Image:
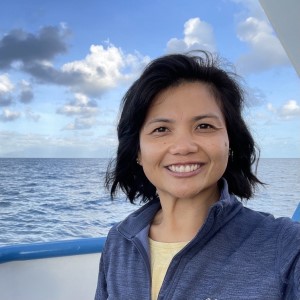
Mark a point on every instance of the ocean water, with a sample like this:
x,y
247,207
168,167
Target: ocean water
x,y
59,199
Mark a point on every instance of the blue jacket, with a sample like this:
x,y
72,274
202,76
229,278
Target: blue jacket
x,y
237,254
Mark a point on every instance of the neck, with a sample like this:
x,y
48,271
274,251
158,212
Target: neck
x,y
179,220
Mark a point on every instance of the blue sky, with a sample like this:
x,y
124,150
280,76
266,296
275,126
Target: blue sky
x,y
65,65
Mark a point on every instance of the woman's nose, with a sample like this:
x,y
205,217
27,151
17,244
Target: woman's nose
x,y
183,145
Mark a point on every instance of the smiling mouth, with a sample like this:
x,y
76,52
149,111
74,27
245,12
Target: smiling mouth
x,y
187,168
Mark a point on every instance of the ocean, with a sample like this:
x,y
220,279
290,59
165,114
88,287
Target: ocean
x,y
58,199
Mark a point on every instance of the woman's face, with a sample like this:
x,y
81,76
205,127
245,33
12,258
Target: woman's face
x,y
184,142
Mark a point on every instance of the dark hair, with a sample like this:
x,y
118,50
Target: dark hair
x,y
165,72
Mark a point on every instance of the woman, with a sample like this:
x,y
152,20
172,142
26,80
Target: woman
x,y
185,150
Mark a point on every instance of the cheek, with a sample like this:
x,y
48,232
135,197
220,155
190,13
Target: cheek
x,y
219,147
219,154
147,153
151,151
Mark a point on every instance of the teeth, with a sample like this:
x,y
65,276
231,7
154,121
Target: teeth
x,y
183,168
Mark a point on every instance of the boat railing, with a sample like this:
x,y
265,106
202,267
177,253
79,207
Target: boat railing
x,y
296,215
51,249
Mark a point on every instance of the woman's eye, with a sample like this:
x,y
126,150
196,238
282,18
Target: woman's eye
x,y
160,129
205,126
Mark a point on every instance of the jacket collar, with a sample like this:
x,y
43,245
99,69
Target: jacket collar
x,y
221,212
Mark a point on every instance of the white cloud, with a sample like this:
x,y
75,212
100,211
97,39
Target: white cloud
x,y
81,124
253,28
6,89
198,35
84,109
290,110
9,115
81,105
6,86
105,68
287,111
266,51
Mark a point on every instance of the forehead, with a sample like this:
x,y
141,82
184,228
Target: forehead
x,y
186,98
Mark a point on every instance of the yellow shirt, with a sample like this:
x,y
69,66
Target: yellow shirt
x,y
161,256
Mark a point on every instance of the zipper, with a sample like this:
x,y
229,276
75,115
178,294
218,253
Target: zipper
x,y
144,255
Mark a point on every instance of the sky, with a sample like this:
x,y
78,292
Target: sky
x,y
65,66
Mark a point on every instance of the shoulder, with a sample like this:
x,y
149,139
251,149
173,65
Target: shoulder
x,y
268,221
283,225
264,229
288,226
282,233
289,255
288,239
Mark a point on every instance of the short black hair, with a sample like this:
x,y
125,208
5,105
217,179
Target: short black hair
x,y
170,70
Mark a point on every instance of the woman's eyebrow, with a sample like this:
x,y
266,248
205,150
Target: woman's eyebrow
x,y
160,120
206,116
